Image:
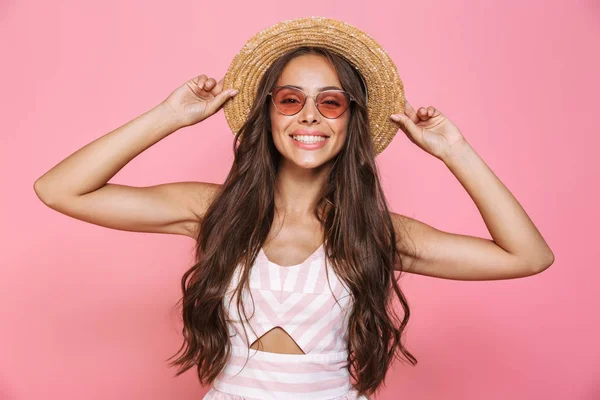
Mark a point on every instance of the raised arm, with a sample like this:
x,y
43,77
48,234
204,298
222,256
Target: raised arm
x,y
78,185
517,248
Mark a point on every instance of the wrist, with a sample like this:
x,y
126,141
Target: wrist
x,y
457,151
170,116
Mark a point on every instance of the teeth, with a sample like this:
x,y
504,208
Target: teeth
x,y
309,139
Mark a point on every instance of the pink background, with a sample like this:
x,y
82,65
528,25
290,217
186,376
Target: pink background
x,y
87,312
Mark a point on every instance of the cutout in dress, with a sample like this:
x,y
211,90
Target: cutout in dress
x,y
281,337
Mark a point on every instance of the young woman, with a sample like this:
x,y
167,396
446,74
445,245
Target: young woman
x,y
297,250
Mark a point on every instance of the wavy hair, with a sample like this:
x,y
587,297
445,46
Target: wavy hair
x,y
360,240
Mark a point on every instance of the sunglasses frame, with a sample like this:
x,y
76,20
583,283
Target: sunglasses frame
x,y
350,100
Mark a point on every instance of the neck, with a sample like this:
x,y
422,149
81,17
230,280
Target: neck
x,y
298,189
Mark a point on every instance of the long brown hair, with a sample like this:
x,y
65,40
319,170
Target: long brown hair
x,y
360,241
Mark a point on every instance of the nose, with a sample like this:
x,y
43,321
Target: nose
x,y
309,112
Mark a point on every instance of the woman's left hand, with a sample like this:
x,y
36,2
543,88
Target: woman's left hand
x,y
429,129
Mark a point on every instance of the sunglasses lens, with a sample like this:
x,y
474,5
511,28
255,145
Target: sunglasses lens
x,y
288,100
332,104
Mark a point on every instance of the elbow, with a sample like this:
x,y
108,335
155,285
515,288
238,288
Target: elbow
x,y
40,193
37,189
545,263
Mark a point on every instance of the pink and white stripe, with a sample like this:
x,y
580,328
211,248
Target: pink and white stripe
x,y
299,299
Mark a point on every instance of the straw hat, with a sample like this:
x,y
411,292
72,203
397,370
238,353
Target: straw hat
x,y
385,90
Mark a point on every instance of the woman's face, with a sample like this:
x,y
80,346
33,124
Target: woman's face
x,y
310,73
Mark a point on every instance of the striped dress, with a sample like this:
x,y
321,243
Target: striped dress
x,y
299,299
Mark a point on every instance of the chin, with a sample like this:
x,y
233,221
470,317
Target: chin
x,y
310,163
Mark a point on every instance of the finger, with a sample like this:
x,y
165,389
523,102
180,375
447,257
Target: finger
x,y
210,83
410,112
211,86
430,111
200,80
425,113
220,99
407,126
218,88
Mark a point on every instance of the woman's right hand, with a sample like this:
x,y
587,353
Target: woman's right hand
x,y
198,99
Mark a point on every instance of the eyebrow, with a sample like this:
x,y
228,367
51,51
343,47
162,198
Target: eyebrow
x,y
318,89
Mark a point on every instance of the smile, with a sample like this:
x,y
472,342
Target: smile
x,y
309,139
308,142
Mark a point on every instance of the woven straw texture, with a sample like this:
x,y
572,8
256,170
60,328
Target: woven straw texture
x,y
385,90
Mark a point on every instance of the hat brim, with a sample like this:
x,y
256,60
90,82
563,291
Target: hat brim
x,y
384,87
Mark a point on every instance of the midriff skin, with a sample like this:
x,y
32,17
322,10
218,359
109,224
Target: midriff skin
x,y
277,341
